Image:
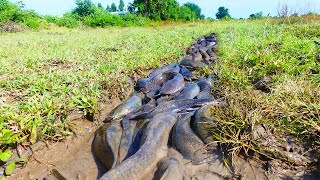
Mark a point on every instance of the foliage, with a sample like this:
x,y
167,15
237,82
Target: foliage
x,y
13,12
121,5
102,19
196,9
131,8
186,14
108,8
89,14
84,8
68,20
7,10
257,15
113,7
165,10
100,6
223,13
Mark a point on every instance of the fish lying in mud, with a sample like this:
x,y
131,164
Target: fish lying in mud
x,y
187,74
187,142
202,124
188,62
154,148
190,91
126,138
182,106
106,144
172,86
128,106
205,88
174,67
168,111
158,81
141,84
169,169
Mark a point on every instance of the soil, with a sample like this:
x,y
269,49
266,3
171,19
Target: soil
x,y
69,159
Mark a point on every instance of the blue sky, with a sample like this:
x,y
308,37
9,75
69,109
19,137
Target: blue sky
x,y
237,8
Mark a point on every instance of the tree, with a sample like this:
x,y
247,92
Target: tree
x,y
113,7
171,11
223,13
158,9
257,15
121,5
100,6
131,8
195,8
186,14
108,8
84,8
8,10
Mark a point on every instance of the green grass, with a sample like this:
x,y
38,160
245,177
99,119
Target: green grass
x,y
46,75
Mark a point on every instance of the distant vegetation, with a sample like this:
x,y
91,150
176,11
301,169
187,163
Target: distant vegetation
x,y
87,13
137,13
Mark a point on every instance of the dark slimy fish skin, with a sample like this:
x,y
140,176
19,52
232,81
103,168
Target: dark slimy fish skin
x,y
172,86
212,50
187,142
153,149
157,81
122,110
169,169
197,56
180,105
190,63
106,144
174,67
137,136
142,111
201,125
186,73
190,91
163,99
126,138
156,133
205,89
141,83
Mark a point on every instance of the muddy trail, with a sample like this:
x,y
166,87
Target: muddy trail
x,y
163,131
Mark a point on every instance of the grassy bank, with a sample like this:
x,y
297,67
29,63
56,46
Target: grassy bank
x,y
46,75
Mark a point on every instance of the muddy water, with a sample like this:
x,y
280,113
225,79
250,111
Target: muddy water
x,y
70,159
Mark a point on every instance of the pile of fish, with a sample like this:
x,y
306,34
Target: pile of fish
x,y
161,132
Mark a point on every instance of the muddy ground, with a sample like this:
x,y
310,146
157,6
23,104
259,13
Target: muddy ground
x,y
69,159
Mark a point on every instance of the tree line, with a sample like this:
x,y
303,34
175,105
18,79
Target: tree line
x,y
137,13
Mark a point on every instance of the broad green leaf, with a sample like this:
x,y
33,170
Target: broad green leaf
x,y
5,155
10,168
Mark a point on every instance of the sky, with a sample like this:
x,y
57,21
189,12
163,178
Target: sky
x,y
237,8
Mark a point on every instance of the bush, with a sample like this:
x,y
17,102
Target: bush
x,y
51,19
7,10
186,14
134,20
68,20
102,19
29,18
